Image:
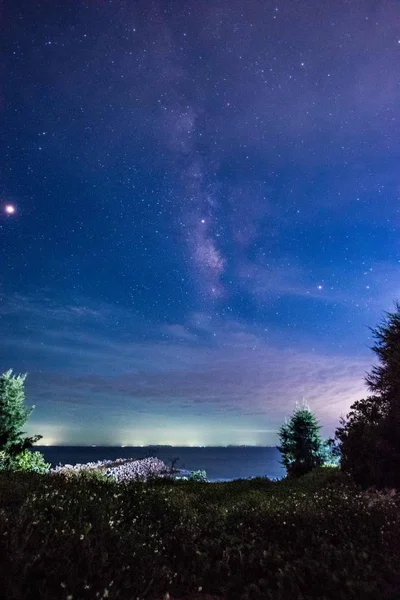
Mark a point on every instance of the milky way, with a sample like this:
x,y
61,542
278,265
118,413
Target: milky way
x,y
208,212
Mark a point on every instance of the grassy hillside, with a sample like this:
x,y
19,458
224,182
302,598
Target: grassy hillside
x,y
318,537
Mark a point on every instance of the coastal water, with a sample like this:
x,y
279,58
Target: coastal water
x,y
220,463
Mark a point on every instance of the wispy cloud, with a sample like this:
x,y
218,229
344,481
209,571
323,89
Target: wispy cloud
x,y
371,288
190,372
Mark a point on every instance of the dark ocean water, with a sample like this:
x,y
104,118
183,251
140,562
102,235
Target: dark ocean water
x,y
220,463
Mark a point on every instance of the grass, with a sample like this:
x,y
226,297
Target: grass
x,y
318,537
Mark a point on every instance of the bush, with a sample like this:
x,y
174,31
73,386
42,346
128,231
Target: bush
x,y
27,460
198,476
83,476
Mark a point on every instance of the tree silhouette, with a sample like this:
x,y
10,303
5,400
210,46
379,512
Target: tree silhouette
x,y
369,436
301,445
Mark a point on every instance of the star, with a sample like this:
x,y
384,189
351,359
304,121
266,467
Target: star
x,y
9,209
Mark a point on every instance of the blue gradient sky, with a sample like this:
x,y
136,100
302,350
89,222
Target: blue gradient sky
x,y
207,213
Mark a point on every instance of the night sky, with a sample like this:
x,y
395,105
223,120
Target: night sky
x,y
199,212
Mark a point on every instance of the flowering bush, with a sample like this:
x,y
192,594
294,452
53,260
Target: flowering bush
x,y
120,470
138,470
98,465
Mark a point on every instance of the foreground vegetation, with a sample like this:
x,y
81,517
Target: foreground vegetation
x,y
316,536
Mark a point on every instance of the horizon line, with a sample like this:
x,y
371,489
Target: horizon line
x,y
151,446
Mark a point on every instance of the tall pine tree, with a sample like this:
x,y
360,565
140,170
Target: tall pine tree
x,y
301,445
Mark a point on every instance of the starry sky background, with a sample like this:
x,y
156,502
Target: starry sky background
x,y
207,212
